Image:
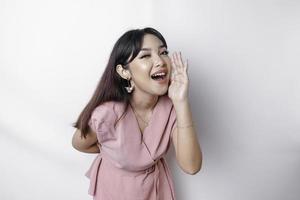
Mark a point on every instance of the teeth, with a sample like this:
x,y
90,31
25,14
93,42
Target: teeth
x,y
159,74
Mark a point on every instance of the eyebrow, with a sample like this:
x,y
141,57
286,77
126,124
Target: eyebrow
x,y
149,49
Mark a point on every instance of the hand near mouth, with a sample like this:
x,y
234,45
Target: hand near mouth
x,y
178,89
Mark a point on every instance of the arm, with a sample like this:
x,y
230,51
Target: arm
x,y
87,145
187,148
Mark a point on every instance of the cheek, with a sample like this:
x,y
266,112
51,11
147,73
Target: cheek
x,y
141,74
140,67
143,70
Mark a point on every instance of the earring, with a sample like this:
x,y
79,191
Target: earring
x,y
130,87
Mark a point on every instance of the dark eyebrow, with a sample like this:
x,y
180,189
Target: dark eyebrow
x,y
148,49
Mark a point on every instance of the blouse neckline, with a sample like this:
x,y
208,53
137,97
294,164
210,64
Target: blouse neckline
x,y
152,117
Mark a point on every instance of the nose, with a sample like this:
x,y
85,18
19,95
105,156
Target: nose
x,y
158,62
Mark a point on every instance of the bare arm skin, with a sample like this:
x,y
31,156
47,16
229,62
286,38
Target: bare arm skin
x,y
187,148
86,145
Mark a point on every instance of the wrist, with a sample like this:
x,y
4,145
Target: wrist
x,y
180,102
185,125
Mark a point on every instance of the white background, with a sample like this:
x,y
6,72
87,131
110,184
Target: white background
x,y
244,91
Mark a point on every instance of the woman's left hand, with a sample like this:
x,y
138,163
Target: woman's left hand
x,y
178,89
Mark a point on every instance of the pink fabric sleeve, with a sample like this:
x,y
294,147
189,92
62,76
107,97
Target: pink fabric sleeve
x,y
102,122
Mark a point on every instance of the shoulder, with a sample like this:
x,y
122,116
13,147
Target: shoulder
x,y
106,112
104,107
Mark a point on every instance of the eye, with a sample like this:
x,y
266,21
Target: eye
x,y
166,52
144,56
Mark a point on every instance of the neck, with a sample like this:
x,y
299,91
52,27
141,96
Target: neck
x,y
143,103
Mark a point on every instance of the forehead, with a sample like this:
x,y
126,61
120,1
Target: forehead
x,y
151,42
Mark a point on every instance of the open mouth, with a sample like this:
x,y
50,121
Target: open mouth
x,y
159,76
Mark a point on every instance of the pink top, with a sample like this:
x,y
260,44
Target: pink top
x,y
130,165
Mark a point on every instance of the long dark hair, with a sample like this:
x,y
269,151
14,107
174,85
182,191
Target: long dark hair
x,y
111,85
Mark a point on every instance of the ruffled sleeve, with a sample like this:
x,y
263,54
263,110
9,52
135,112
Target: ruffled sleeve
x,y
102,121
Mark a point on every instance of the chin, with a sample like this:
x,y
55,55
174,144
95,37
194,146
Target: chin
x,y
163,91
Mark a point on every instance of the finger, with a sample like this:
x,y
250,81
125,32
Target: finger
x,y
176,78
180,63
180,60
172,77
174,65
186,65
172,74
176,58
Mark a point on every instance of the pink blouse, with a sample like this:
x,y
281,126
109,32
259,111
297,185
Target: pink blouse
x,y
131,165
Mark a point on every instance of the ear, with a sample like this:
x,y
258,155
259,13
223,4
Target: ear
x,y
124,73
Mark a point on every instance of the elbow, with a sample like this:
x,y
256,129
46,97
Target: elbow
x,y
76,142
75,145
193,171
78,147
194,168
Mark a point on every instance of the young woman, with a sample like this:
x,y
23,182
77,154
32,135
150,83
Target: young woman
x,y
139,108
